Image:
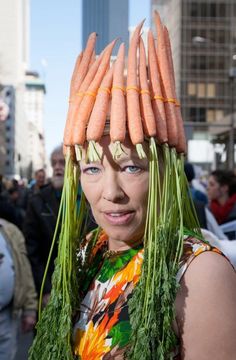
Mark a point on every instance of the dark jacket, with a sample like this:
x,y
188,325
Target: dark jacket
x,y
201,213
8,212
39,226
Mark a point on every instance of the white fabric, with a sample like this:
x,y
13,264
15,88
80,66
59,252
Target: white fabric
x,y
213,226
228,247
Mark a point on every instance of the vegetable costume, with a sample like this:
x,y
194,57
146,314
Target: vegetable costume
x,y
98,98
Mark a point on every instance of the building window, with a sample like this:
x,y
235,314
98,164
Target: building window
x,y
214,115
221,90
221,36
212,10
197,114
212,65
193,63
211,90
7,163
192,89
222,10
202,114
221,62
210,115
203,9
202,62
193,114
194,9
201,90
219,115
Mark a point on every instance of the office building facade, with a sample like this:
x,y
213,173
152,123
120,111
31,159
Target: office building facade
x,y
108,18
16,155
203,36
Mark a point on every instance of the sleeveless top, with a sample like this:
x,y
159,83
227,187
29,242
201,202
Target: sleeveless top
x,y
103,329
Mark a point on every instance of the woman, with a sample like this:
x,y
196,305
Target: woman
x,y
118,289
222,195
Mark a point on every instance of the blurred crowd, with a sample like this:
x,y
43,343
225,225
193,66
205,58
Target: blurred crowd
x,y
28,215
214,197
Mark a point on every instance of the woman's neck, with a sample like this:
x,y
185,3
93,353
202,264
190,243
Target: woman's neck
x,y
223,199
118,245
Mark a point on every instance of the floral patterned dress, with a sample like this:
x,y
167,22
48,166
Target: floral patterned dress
x,y
103,329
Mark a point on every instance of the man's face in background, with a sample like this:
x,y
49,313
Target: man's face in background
x,y
40,178
58,167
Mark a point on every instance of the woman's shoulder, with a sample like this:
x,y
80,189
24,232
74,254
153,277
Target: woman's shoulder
x,y
193,247
205,303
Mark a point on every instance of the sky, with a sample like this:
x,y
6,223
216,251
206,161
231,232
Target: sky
x,y
55,41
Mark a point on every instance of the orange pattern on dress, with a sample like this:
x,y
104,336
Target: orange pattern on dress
x,y
92,344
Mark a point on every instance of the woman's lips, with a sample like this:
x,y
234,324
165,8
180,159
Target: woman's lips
x,y
119,218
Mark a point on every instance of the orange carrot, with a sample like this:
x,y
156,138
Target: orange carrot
x,y
84,65
75,104
89,98
133,107
99,113
118,110
181,146
78,76
73,84
157,102
167,84
148,117
93,58
72,96
169,53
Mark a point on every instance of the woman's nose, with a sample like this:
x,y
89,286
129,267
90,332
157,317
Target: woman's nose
x,y
112,190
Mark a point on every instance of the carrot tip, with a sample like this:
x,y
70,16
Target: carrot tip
x,y
140,151
78,152
118,150
93,154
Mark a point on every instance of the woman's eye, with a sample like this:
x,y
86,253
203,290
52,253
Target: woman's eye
x,y
132,169
91,170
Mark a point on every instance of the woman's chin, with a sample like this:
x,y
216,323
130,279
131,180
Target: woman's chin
x,y
123,236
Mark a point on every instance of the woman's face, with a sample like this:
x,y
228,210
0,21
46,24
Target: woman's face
x,y
213,189
117,191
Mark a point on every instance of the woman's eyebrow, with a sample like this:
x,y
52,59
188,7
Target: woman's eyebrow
x,y
86,163
134,158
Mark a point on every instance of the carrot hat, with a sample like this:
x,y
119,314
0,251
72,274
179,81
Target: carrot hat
x,y
143,105
152,107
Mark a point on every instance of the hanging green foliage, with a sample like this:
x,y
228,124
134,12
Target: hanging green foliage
x,y
54,329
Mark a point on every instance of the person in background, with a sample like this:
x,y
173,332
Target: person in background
x,y
40,222
7,211
196,194
14,200
222,195
18,298
205,217
40,181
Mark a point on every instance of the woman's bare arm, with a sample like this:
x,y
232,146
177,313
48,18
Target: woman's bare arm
x,y
206,309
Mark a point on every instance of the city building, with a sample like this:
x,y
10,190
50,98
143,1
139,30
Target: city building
x,y
203,37
15,154
108,18
34,109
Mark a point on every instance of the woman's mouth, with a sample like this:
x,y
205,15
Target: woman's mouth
x,y
119,218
